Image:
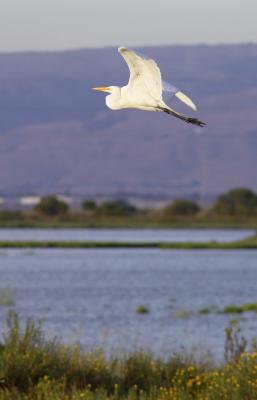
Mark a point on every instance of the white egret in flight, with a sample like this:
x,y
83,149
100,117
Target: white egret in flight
x,y
145,89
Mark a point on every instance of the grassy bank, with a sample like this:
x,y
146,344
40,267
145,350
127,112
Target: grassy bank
x,y
150,220
250,243
35,368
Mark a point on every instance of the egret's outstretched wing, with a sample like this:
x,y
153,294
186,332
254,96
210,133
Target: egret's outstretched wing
x,y
144,73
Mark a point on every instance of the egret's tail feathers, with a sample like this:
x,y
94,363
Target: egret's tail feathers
x,y
189,120
183,97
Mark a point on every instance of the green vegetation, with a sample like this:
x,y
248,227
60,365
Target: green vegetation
x,y
180,208
115,208
235,209
249,244
204,311
6,298
35,368
51,206
7,216
234,309
147,220
230,309
184,314
252,307
142,310
88,205
237,202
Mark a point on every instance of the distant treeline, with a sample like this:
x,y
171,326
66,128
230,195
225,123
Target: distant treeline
x,y
236,205
236,202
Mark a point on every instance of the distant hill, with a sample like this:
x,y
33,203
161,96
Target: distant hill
x,y
56,135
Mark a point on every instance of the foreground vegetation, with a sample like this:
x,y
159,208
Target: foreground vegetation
x,y
35,368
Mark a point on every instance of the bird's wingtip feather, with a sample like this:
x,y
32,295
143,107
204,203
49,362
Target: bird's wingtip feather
x,y
183,97
121,49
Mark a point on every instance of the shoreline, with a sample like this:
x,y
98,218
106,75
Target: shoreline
x,y
124,222
245,244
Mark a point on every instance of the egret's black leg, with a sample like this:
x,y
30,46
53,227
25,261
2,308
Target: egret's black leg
x,y
189,120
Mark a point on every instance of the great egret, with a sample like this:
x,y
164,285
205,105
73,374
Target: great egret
x,y
145,89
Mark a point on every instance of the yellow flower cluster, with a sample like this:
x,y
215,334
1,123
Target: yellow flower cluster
x,y
237,380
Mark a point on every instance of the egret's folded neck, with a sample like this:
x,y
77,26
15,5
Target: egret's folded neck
x,y
113,101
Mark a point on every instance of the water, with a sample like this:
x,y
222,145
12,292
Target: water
x,y
126,235
91,295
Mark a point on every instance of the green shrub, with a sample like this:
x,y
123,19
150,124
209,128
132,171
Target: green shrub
x,y
115,208
51,206
88,205
237,202
180,208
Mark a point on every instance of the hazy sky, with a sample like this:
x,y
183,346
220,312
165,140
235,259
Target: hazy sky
x,y
62,24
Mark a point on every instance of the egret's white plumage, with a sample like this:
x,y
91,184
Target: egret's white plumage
x,y
145,89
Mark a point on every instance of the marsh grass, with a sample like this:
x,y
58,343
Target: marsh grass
x,y
184,314
230,309
234,309
6,298
250,243
204,311
140,219
142,310
35,368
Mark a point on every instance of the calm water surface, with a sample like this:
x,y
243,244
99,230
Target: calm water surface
x,y
92,295
135,235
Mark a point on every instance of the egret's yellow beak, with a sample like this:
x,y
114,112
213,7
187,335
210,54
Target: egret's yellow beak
x,y
102,89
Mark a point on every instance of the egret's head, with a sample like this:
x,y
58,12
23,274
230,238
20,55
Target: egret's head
x,y
113,99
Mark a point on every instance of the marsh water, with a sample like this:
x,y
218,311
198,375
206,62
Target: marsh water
x,y
127,235
91,295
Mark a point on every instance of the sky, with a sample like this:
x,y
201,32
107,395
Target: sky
x,y
66,24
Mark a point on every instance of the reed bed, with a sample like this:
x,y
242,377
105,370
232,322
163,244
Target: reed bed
x,y
33,367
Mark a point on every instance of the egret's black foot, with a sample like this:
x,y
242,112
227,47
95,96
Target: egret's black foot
x,y
196,122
